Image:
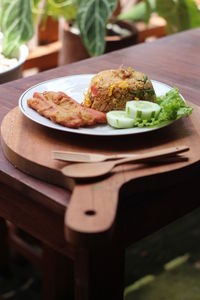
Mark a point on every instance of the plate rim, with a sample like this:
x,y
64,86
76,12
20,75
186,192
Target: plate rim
x,y
118,132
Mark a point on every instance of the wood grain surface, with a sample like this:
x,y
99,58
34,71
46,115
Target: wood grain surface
x,y
173,60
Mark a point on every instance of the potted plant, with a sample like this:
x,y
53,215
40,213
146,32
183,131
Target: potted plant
x,y
119,34
85,18
90,16
13,52
11,68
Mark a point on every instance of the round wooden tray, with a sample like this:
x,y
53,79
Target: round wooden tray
x,y
93,205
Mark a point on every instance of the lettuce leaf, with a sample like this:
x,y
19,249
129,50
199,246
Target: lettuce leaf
x,y
172,108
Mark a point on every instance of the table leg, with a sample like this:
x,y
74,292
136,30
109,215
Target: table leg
x,y
4,248
99,274
57,274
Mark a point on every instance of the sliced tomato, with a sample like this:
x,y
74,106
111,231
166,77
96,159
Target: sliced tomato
x,y
94,90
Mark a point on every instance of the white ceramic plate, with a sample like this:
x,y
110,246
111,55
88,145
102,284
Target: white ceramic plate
x,y
75,86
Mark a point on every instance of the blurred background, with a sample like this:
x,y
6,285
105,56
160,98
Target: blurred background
x,y
58,32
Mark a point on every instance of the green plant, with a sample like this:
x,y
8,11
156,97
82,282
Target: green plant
x,y
179,14
16,24
91,16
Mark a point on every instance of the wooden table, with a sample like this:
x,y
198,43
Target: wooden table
x,y
96,260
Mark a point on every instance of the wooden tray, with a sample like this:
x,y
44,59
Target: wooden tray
x,y
93,205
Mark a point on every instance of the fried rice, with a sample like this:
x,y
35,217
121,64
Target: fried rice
x,y
111,89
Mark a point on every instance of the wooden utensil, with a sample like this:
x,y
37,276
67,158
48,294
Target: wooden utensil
x,y
89,170
86,157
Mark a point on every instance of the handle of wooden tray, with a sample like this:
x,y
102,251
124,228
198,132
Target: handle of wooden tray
x,y
91,213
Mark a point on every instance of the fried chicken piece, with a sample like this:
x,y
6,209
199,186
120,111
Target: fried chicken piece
x,y
61,109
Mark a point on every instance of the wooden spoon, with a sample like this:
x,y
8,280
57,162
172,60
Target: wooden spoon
x,y
89,170
86,157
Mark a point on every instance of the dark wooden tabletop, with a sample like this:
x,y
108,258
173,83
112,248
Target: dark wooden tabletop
x,y
173,60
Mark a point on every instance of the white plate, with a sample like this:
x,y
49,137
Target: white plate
x,y
75,86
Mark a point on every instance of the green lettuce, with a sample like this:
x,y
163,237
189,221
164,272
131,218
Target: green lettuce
x,y
172,108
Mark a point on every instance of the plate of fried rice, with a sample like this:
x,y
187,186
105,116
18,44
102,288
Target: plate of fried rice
x,y
80,88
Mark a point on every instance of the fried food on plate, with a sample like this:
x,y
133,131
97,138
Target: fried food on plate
x,y
61,109
111,89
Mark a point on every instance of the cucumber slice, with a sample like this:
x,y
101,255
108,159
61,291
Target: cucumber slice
x,y
144,110
119,119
